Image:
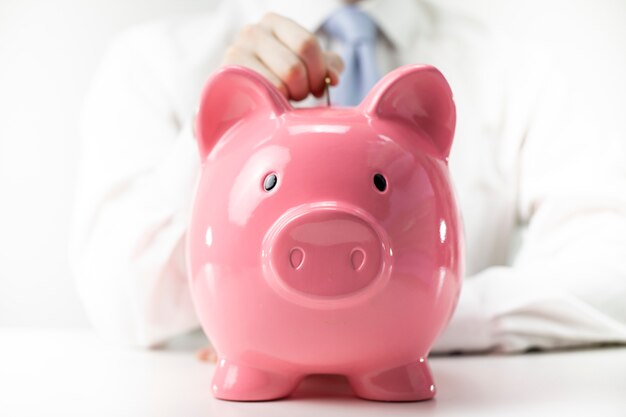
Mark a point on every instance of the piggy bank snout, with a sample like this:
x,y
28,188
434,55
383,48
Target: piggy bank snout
x,y
327,252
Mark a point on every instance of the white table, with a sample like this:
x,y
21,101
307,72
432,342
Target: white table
x,y
72,373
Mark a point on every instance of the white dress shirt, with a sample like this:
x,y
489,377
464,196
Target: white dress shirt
x,y
539,165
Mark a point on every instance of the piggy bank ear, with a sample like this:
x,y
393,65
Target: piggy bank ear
x,y
231,95
420,97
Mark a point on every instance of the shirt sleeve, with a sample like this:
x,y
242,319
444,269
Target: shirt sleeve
x,y
136,179
567,284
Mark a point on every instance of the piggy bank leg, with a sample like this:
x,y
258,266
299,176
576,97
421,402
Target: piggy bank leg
x,y
237,382
411,382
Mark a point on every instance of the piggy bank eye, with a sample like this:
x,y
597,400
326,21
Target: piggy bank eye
x,y
380,182
270,181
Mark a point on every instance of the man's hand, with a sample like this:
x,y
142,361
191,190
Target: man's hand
x,y
207,354
288,55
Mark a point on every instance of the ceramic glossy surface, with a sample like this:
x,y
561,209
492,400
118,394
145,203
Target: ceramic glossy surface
x,y
302,259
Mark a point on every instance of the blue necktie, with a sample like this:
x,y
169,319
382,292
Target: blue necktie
x,y
357,33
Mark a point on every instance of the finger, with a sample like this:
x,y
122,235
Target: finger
x,y
206,354
302,43
284,63
238,55
203,354
334,67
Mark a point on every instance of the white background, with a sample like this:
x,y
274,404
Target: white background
x,y
49,51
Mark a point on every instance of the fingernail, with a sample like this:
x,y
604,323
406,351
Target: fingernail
x,y
337,66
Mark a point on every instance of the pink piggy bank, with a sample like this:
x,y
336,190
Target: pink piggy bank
x,y
325,240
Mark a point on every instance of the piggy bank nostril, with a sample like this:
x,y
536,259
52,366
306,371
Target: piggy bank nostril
x,y
296,258
357,258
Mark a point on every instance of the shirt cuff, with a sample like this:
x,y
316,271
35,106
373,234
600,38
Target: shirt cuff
x,y
469,328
